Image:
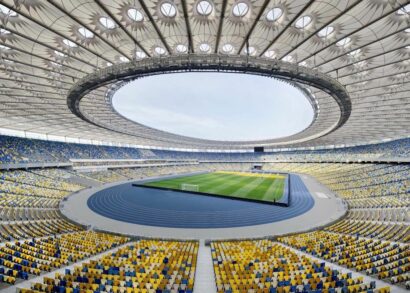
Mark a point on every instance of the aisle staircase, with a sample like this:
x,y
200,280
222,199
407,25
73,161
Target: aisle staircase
x,y
204,276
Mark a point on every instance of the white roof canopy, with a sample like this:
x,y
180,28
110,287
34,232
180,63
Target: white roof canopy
x,y
47,46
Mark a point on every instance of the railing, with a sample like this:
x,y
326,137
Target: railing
x,y
11,166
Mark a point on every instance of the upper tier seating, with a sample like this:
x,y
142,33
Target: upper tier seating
x,y
22,150
45,178
104,176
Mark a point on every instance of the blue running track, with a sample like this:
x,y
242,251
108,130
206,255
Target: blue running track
x,y
162,208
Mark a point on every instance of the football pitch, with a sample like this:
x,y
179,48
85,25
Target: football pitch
x,y
241,185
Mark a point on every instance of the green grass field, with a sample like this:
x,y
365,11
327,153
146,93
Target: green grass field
x,y
261,187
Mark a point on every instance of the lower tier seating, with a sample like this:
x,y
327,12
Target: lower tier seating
x,y
19,260
265,266
387,231
374,257
30,229
143,266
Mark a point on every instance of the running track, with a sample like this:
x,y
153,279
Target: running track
x,y
173,209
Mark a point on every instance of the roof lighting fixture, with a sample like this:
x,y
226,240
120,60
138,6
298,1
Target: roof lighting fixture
x,y
356,53
181,48
227,48
4,31
107,22
303,22
288,58
168,9
343,42
326,31
250,50
135,15
7,11
274,14
204,47
240,9
405,10
69,43
85,33
270,54
59,54
140,55
159,50
204,8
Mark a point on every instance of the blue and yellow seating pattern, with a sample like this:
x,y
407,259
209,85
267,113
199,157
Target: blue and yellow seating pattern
x,y
265,266
19,260
375,257
387,231
144,266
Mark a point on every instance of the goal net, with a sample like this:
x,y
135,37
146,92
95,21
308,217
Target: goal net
x,y
189,187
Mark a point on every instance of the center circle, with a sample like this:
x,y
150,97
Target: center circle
x,y
216,106
172,209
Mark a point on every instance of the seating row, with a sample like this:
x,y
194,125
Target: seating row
x,y
142,266
31,229
392,232
375,257
266,266
19,260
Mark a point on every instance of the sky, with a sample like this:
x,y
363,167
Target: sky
x,y
218,106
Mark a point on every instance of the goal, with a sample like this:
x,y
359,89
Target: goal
x,y
189,187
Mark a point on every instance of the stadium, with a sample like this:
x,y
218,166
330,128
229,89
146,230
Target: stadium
x,y
207,146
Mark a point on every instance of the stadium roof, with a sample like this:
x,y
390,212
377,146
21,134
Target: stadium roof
x,y
49,48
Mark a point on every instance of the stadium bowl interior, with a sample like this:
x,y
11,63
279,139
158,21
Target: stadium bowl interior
x,y
93,201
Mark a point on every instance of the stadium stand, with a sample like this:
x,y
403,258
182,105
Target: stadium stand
x,y
104,176
19,260
374,257
22,150
265,266
29,229
143,266
386,231
372,238
65,140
